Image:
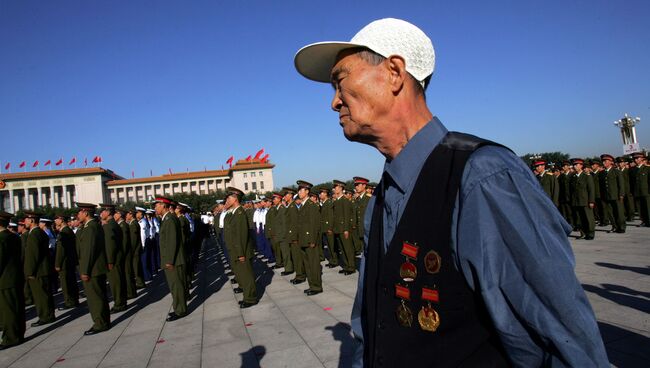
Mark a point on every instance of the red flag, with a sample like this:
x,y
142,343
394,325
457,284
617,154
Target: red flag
x,y
8,165
170,172
86,161
97,159
229,162
258,154
22,164
248,158
47,162
74,159
265,158
132,174
59,162
35,163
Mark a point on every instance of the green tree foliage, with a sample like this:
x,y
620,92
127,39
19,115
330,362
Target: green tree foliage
x,y
549,157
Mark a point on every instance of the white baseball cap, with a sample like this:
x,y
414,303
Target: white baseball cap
x,y
386,37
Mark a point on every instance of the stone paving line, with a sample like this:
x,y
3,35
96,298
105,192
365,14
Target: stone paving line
x,y
289,329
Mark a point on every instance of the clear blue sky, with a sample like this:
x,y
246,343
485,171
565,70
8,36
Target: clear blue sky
x,y
152,85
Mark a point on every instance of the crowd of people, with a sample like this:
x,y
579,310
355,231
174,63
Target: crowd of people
x,y
609,191
113,247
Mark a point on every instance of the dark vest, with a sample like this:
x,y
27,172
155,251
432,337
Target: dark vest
x,y
465,336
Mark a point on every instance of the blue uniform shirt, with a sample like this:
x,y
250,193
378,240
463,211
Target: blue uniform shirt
x,y
508,236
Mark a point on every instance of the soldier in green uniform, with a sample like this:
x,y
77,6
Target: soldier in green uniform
x,y
547,180
308,233
24,233
65,262
12,301
292,236
599,215
326,227
127,253
37,269
115,257
93,267
611,192
136,249
284,224
269,228
582,199
628,199
186,235
172,256
564,193
641,185
343,215
236,234
361,203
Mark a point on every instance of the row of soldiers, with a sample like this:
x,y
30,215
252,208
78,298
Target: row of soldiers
x,y
291,230
609,191
108,253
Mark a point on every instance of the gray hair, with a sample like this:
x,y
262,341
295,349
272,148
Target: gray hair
x,y
374,58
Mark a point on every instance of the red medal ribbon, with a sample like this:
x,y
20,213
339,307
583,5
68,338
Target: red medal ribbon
x,y
410,250
402,292
430,295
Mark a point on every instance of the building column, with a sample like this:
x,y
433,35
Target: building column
x,y
66,199
11,201
27,201
39,196
56,199
52,196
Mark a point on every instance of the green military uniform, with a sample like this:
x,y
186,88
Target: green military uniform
x,y
611,191
92,262
361,203
548,181
269,224
280,237
599,207
582,195
292,236
343,215
12,302
115,256
186,235
642,192
136,246
326,227
66,261
564,195
172,253
236,234
37,271
127,251
29,300
308,234
628,200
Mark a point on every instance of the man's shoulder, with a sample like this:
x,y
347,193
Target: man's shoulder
x,y
490,160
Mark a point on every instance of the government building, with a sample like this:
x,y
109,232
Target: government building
x,y
62,188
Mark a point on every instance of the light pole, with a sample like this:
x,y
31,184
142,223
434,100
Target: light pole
x,y
628,133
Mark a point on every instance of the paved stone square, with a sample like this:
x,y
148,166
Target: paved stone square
x,y
289,329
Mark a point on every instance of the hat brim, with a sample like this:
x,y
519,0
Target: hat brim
x,y
316,61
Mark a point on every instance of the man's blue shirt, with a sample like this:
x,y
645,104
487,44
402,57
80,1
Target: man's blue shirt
x,y
510,243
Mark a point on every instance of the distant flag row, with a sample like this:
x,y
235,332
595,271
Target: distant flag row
x,y
59,162
258,156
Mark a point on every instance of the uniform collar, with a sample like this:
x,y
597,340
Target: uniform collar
x,y
404,168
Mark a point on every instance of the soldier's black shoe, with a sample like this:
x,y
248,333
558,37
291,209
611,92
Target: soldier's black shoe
x,y
286,273
117,310
238,290
173,317
246,305
347,273
620,231
297,281
277,266
313,292
66,307
230,273
329,265
92,331
233,281
341,271
589,238
42,323
3,347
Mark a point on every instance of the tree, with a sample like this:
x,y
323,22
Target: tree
x,y
549,157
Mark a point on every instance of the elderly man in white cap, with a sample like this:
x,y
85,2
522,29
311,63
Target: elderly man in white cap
x,y
467,261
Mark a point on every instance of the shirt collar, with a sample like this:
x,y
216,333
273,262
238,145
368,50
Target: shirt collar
x,y
404,168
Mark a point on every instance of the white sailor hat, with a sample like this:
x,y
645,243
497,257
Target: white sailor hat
x,y
46,220
13,224
140,209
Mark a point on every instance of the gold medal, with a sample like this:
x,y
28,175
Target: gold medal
x,y
428,318
408,271
432,262
404,315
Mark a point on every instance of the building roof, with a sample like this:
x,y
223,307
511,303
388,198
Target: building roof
x,y
240,165
29,175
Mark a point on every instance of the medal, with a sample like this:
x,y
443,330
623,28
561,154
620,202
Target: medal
x,y
403,312
408,271
428,317
432,262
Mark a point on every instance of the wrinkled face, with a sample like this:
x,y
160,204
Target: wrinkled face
x,y
361,95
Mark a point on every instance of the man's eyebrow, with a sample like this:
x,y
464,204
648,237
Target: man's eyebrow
x,y
336,72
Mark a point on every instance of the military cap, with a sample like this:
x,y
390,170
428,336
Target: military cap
x,y
13,224
595,162
6,216
638,155
234,191
325,189
360,180
121,211
106,206
338,183
577,161
21,222
313,194
304,184
181,204
620,159
149,211
32,214
539,162
86,206
566,163
164,200
606,156
276,194
286,190
370,186
60,215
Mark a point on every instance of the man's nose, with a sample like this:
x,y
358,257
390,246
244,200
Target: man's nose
x,y
336,102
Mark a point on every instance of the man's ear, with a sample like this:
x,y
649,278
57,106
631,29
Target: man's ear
x,y
397,69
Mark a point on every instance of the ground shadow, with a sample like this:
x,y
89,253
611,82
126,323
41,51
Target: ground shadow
x,y
341,332
624,347
209,267
621,295
642,270
251,357
263,276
